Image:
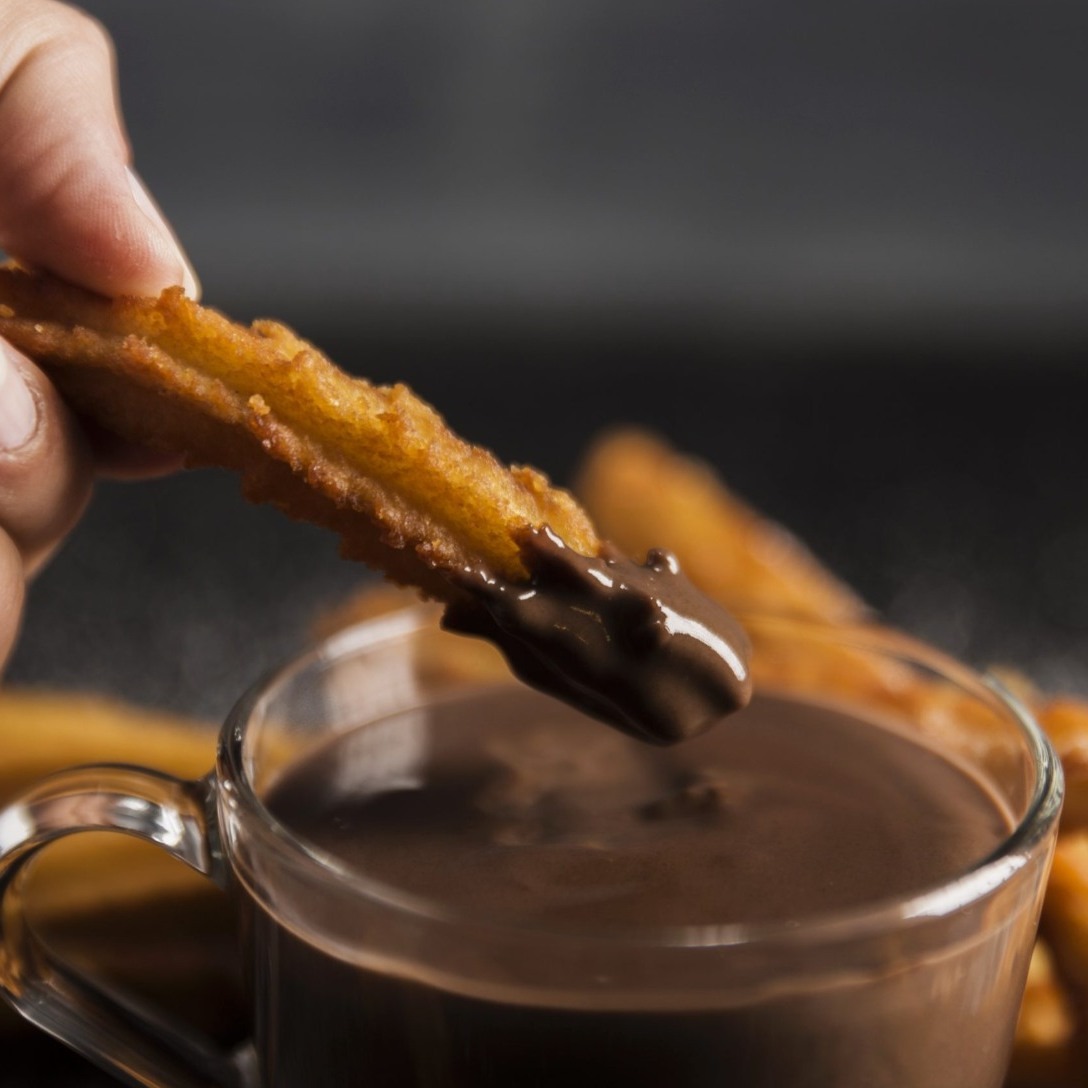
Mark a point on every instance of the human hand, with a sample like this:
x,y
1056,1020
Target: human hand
x,y
70,204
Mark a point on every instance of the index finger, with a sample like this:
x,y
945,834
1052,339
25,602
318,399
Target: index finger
x,y
69,202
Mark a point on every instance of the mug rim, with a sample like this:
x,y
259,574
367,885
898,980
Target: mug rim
x,y
957,892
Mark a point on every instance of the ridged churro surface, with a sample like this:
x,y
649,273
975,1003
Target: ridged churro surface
x,y
374,463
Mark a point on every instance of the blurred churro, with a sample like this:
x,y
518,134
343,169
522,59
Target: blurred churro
x,y
638,490
1066,723
45,731
644,495
370,600
142,919
1044,1053
442,656
1065,913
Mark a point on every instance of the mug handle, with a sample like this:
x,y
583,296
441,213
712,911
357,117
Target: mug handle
x,y
129,1042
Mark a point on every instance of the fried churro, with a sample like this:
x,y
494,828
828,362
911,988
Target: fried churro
x,y
1044,1053
374,463
42,732
642,495
146,921
515,560
1065,721
45,731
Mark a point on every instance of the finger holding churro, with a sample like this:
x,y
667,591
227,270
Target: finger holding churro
x,y
71,202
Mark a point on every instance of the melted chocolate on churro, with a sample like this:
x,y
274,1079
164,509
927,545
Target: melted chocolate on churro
x,y
636,646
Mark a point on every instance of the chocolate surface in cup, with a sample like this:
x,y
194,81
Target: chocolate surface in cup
x,y
511,806
504,807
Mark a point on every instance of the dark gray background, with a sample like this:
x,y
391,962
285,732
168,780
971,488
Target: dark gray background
x,y
837,248
786,164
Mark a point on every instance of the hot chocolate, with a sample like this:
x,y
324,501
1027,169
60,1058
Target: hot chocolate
x,y
503,807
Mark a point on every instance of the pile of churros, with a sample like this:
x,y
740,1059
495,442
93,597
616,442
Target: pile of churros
x,y
380,468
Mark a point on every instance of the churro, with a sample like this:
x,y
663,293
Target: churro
x,y
516,560
146,921
1044,1053
374,463
1065,721
642,495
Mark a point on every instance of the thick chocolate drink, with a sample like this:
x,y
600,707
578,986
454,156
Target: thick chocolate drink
x,y
506,810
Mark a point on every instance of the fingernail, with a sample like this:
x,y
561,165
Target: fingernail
x,y
187,277
18,408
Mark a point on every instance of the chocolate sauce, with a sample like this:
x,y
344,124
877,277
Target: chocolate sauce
x,y
636,646
513,806
505,809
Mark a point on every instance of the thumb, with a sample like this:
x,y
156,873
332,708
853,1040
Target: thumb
x,y
69,200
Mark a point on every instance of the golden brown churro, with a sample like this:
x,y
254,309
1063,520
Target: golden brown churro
x,y
147,922
1044,1054
1066,723
644,495
374,463
46,731
42,732
515,560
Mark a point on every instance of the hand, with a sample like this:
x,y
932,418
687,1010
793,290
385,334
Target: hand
x,y
71,204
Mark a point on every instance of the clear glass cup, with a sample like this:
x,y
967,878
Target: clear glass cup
x,y
352,981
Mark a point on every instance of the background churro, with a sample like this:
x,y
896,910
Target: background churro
x,y
140,919
1050,1048
641,493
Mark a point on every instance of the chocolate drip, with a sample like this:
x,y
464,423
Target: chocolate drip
x,y
638,647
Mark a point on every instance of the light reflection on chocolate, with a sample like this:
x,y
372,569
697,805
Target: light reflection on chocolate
x,y
637,646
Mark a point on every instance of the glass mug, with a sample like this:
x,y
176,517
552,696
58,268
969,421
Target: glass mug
x,y
352,982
